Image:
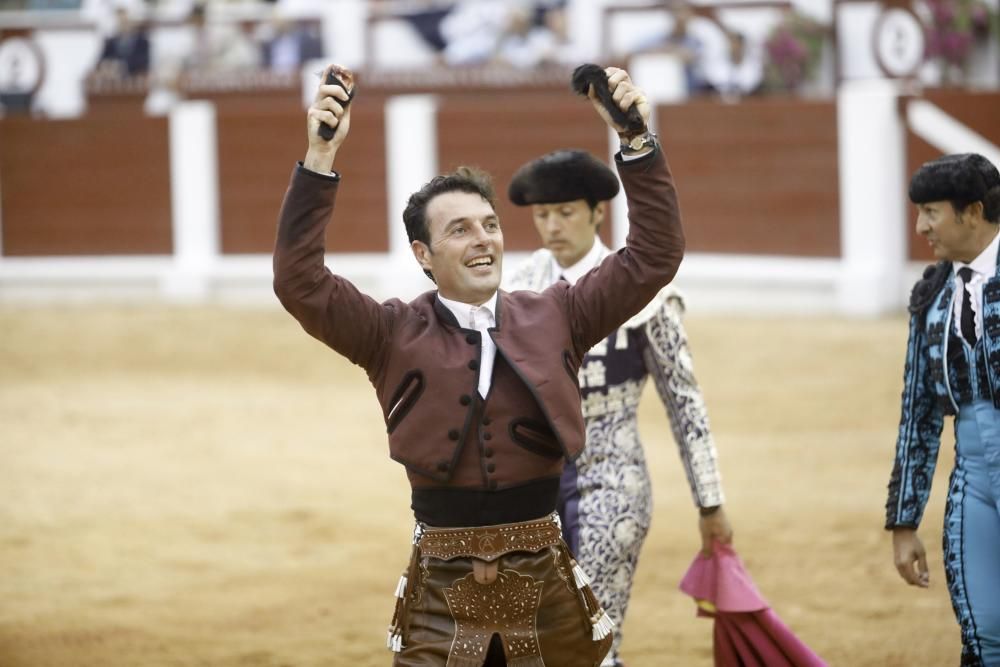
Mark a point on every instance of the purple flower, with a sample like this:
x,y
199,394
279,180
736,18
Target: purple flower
x,y
785,47
790,58
955,46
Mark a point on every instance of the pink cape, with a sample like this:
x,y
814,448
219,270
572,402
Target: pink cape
x,y
747,631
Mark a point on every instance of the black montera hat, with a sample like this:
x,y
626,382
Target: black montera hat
x,y
963,177
560,176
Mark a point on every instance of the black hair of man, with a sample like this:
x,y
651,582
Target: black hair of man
x,y
464,179
962,179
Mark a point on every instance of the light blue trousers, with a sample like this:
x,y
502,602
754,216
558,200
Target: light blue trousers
x,y
972,533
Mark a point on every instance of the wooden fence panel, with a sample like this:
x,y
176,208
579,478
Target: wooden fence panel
x,y
90,186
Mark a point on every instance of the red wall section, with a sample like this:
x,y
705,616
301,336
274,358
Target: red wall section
x,y
93,186
258,147
759,177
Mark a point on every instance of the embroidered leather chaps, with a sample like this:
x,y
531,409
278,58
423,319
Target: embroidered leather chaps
x,y
451,604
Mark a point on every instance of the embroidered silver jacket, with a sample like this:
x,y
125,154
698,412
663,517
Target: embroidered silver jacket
x,y
613,374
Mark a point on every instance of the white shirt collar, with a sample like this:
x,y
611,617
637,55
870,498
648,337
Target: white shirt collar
x,y
585,264
463,312
985,264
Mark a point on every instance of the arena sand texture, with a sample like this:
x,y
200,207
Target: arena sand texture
x,y
211,487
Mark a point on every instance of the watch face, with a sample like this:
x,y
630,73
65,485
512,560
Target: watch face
x,y
20,66
899,42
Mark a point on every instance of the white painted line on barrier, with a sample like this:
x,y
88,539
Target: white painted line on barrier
x,y
945,133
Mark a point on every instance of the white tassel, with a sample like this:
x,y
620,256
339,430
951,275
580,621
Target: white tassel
x,y
397,643
603,627
580,577
401,587
388,638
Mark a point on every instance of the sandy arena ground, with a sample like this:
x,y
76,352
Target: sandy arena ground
x,y
200,487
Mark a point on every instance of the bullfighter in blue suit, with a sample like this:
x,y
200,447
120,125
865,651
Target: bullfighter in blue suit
x,y
953,368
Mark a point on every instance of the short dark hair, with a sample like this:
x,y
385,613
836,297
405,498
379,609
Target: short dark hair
x,y
464,179
961,179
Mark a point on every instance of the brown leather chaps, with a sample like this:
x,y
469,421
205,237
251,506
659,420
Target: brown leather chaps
x,y
497,595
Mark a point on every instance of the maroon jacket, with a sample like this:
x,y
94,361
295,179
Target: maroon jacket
x,y
424,366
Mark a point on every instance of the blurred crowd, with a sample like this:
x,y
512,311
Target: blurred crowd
x,y
473,32
162,42
278,44
530,34
519,34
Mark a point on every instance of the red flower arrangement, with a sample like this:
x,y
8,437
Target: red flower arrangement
x,y
955,26
793,52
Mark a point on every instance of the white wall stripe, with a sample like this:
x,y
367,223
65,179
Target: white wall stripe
x,y
194,198
947,134
871,167
410,156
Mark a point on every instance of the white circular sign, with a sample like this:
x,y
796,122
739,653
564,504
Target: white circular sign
x,y
899,42
20,66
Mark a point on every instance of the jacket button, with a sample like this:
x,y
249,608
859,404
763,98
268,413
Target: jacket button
x,y
490,467
465,399
488,453
443,466
453,434
487,436
471,339
487,421
474,365
493,484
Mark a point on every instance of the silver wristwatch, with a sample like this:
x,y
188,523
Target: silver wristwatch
x,y
639,142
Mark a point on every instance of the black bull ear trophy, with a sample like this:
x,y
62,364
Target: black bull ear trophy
x,y
589,75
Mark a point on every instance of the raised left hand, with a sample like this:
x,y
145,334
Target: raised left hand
x,y
625,94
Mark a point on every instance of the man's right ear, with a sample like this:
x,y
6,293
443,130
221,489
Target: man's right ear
x,y
422,253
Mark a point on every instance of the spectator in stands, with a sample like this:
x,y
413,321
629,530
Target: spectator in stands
x,y
426,20
288,45
535,35
524,42
740,72
521,34
126,52
219,47
472,31
214,49
564,49
681,42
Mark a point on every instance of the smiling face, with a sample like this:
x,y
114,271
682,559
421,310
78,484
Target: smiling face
x,y
950,235
465,249
568,229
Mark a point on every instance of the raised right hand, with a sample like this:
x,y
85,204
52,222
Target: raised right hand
x,y
910,557
327,107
